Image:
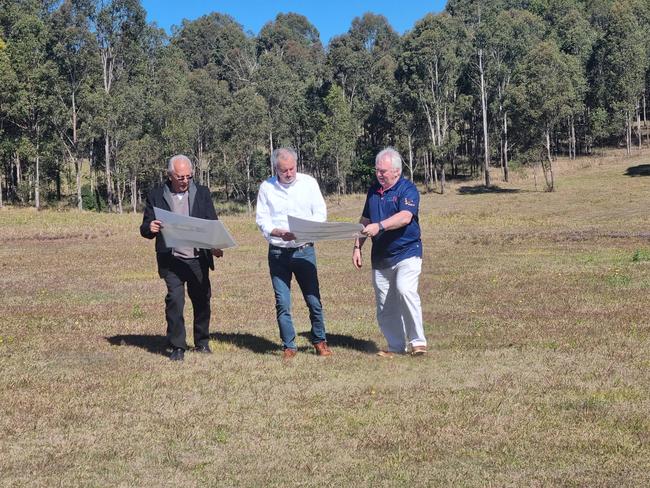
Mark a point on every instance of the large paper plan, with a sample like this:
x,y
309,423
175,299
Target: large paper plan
x,y
183,231
310,231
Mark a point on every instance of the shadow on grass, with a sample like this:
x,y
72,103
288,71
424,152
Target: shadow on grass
x,y
254,343
348,342
481,189
640,170
155,344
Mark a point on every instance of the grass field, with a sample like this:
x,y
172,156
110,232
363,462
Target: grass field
x,y
536,310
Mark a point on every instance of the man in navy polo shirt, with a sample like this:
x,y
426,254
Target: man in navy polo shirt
x,y
390,217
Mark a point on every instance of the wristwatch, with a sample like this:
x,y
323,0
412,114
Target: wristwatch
x,y
381,227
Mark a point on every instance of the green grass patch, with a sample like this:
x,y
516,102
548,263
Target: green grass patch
x,y
641,255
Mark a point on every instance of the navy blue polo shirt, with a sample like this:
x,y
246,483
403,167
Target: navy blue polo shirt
x,y
392,246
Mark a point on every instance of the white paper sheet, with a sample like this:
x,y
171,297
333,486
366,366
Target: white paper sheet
x,y
310,231
182,231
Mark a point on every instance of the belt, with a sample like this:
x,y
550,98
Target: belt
x,y
298,248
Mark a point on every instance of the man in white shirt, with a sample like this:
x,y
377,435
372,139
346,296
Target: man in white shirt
x,y
296,194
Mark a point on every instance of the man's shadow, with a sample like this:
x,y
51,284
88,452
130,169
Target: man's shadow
x,y
158,344
155,344
640,170
347,342
244,340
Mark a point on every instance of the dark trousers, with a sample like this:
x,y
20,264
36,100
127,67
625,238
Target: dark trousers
x,y
194,273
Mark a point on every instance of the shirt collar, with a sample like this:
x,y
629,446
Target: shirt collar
x,y
286,187
380,189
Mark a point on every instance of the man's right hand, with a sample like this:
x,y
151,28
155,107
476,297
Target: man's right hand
x,y
356,258
155,226
283,234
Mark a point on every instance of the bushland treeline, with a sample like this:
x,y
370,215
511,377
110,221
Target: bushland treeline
x,y
94,99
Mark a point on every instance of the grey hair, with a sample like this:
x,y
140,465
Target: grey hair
x,y
395,158
179,157
281,153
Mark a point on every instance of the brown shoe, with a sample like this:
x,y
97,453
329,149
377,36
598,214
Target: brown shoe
x,y
386,354
288,353
419,350
322,349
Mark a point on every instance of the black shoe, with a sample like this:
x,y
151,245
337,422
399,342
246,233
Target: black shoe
x,y
178,354
204,349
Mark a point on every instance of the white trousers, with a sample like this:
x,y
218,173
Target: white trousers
x,y
399,311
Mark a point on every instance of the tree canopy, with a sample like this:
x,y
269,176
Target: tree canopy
x,y
94,99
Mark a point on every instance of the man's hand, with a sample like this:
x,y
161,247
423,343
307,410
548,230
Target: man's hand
x,y
283,234
356,257
217,253
155,226
371,230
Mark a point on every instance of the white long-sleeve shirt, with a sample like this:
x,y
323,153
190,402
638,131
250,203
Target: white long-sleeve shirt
x,y
276,201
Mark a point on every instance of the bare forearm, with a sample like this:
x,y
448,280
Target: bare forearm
x,y
397,221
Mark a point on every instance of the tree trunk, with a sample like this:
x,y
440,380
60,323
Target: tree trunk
x,y
442,178
427,176
573,137
109,178
645,121
271,151
506,167
638,124
78,166
434,170
134,192
199,157
248,186
548,171
338,177
120,194
37,182
410,143
486,142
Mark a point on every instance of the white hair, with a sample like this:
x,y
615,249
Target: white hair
x,y
395,158
282,153
179,157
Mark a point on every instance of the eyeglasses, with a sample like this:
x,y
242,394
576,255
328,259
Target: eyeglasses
x,y
182,178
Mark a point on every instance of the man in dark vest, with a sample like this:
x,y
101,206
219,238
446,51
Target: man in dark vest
x,y
182,266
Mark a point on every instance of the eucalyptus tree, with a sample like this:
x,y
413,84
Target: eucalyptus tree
x,y
570,27
549,85
205,114
624,64
222,60
9,82
118,27
334,140
244,132
32,102
290,57
508,36
218,41
430,67
363,62
134,103
72,50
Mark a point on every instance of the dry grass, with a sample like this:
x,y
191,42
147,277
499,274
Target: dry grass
x,y
536,308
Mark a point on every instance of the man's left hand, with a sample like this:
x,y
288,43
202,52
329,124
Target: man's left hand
x,y
217,253
371,230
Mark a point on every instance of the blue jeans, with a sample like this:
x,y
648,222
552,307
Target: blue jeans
x,y
283,263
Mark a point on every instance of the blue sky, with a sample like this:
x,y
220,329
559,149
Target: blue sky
x,y
331,17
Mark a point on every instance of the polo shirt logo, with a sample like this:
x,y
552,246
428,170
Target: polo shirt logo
x,y
408,202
